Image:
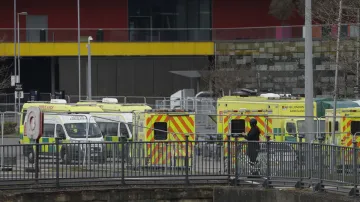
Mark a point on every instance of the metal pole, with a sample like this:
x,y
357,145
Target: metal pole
x,y
89,69
79,58
2,140
336,72
18,38
15,41
18,54
357,53
309,86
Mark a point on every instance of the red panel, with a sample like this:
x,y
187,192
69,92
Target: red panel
x,y
63,14
249,13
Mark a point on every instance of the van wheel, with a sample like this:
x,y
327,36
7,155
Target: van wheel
x,y
65,157
31,156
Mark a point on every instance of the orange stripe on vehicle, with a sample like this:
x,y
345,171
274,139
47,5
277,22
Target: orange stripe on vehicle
x,y
191,120
159,118
349,143
226,118
188,130
148,120
176,125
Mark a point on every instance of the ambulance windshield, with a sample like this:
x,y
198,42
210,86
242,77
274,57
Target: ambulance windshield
x,y
78,130
302,126
108,128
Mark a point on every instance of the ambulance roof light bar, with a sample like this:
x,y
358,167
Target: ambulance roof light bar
x,y
58,101
110,100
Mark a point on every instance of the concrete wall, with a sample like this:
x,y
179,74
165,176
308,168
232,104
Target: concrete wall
x,y
278,66
140,76
190,194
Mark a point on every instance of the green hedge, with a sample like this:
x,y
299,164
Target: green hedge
x,y
9,128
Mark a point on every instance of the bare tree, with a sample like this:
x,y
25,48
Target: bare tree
x,y
326,14
226,72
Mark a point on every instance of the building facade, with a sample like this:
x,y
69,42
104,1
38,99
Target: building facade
x,y
140,47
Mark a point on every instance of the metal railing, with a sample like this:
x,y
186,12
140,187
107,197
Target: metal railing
x,y
166,34
7,100
60,164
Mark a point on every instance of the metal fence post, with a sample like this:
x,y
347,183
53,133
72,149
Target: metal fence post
x,y
229,156
37,153
354,191
2,140
267,182
300,183
320,187
122,160
57,141
236,161
187,159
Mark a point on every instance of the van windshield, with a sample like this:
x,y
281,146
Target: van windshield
x,y
108,128
302,126
78,130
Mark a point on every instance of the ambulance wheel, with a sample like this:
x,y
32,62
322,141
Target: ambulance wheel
x,y
31,156
65,157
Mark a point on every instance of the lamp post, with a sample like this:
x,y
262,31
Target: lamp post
x,y
79,58
18,53
15,61
309,82
89,68
18,37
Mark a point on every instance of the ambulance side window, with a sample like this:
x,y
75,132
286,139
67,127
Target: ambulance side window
x,y
59,130
49,130
355,127
238,126
160,131
123,131
336,126
291,128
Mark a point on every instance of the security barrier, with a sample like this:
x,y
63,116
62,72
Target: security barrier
x,y
187,156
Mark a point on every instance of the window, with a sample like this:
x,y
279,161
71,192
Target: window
x,y
108,128
336,126
160,131
164,20
302,126
59,130
291,128
124,131
237,126
49,130
355,127
78,130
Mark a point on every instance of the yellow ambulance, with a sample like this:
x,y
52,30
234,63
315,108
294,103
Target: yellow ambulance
x,y
160,136
273,114
347,129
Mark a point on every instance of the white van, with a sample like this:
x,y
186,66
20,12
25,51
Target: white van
x,y
72,128
114,124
